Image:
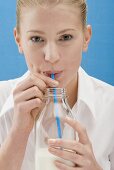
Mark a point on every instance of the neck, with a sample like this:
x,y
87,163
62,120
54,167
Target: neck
x,y
72,90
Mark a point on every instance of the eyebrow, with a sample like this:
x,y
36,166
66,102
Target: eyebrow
x,y
60,32
65,30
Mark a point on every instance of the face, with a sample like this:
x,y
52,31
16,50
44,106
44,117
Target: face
x,y
52,41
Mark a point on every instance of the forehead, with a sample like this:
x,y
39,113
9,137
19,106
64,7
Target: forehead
x,y
57,16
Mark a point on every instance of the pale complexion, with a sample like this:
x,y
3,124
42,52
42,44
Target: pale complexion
x,y
52,41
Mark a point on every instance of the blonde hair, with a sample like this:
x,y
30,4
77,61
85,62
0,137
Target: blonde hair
x,y
45,3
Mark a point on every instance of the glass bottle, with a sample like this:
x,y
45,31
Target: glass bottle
x,y
51,125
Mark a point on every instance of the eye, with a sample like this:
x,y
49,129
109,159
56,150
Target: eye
x,y
37,39
66,37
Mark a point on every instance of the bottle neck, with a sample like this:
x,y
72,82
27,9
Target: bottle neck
x,y
56,93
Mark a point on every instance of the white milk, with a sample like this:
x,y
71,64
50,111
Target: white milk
x,y
45,160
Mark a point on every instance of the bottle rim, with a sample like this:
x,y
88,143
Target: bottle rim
x,y
55,92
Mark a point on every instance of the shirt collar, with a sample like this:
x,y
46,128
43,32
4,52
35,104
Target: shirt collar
x,y
85,91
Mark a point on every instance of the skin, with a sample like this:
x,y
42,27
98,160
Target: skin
x,y
82,154
53,52
48,44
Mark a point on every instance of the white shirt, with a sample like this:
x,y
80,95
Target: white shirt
x,y
94,109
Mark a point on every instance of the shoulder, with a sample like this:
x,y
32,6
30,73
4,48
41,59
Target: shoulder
x,y
102,88
96,84
95,89
5,90
104,96
6,86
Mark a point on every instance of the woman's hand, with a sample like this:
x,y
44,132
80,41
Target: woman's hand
x,y
82,153
28,100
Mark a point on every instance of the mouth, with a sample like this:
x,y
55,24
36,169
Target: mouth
x,y
57,74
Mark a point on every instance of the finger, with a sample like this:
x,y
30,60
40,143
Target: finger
x,y
35,112
28,83
63,166
82,133
68,145
28,94
29,105
39,82
49,81
24,84
68,155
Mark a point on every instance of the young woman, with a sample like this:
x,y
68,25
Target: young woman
x,y
52,35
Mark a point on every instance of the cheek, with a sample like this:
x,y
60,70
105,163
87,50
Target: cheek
x,y
34,57
71,63
72,58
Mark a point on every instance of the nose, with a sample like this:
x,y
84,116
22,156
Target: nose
x,y
51,53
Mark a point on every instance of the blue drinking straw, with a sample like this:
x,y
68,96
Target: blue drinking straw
x,y
56,112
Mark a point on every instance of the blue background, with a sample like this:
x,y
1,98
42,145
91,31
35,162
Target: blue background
x,y
98,61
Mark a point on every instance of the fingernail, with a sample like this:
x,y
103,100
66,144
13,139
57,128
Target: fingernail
x,y
51,141
55,83
67,119
52,150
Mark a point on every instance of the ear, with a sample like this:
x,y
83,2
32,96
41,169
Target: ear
x,y
87,37
18,41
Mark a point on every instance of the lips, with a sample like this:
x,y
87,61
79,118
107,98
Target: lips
x,y
57,74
